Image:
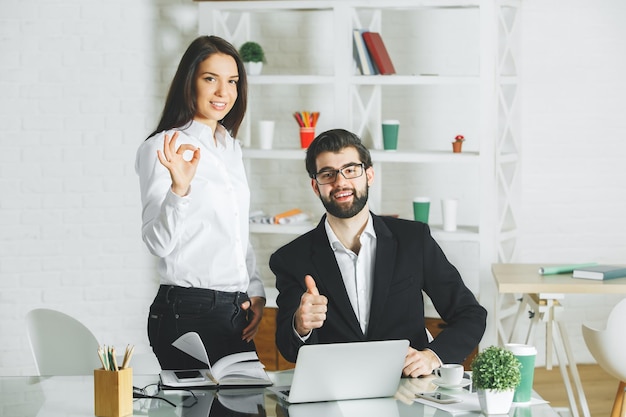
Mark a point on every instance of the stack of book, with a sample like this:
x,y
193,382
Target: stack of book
x,y
600,272
371,54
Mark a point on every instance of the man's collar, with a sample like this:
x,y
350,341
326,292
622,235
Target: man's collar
x,y
335,243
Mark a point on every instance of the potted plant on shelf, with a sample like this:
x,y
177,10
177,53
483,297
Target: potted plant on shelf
x,y
458,143
495,375
252,56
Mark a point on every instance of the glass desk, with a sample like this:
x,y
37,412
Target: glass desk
x,y
72,396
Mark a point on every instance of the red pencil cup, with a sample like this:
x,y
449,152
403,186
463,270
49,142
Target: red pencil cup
x,y
307,134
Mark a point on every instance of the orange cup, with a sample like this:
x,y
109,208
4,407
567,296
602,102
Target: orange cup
x,y
307,134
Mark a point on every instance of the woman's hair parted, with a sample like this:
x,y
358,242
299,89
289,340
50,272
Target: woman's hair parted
x,y
334,141
180,104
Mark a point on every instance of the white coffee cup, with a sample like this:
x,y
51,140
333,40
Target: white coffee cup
x,y
266,134
448,212
450,373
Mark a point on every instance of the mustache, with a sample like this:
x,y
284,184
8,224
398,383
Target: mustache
x,y
343,190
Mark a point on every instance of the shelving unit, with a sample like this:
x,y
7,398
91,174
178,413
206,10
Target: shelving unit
x,y
457,73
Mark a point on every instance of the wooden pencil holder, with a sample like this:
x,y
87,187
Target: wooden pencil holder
x,y
113,392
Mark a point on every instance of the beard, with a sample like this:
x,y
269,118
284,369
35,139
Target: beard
x,y
344,211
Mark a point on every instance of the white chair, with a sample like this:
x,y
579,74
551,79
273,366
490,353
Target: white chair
x,y
61,345
608,347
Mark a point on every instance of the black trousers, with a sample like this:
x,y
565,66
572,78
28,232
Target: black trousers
x,y
215,315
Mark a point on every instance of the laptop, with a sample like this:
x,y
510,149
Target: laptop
x,y
345,371
368,407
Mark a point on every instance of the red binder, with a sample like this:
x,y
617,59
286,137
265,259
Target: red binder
x,y
378,52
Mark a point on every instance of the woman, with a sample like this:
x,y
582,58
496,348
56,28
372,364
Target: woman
x,y
195,199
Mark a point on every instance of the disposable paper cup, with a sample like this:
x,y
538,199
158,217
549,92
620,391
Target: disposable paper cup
x,y
266,134
448,212
526,354
390,134
307,134
421,209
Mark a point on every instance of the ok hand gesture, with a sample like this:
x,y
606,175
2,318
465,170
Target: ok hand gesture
x,y
181,170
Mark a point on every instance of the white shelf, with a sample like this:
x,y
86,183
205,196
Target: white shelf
x,y
382,80
260,6
462,234
289,79
377,156
480,99
281,229
397,79
424,157
288,154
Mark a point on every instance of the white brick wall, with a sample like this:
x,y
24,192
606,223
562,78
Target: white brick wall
x,y
82,84
574,176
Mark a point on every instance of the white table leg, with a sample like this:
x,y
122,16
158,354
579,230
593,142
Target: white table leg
x,y
573,369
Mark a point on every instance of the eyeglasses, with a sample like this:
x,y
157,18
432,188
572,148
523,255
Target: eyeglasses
x,y
153,390
328,176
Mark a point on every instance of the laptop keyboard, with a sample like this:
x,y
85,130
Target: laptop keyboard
x,y
285,392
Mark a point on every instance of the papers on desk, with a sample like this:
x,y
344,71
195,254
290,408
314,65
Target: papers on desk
x,y
469,403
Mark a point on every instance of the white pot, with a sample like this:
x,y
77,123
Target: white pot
x,y
253,68
495,402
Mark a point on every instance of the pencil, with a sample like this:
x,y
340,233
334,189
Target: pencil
x,y
127,355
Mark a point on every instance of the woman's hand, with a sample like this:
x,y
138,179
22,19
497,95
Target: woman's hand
x,y
255,313
181,171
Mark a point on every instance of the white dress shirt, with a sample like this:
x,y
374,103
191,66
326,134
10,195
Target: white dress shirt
x,y
357,270
201,239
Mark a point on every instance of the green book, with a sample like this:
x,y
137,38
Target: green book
x,y
563,269
600,272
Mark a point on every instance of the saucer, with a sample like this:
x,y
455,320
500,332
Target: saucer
x,y
465,382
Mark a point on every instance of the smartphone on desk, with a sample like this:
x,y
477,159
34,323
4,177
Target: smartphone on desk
x,y
438,397
189,376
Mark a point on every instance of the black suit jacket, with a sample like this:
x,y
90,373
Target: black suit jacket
x,y
408,261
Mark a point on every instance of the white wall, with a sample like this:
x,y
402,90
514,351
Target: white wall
x,y
82,84
574,152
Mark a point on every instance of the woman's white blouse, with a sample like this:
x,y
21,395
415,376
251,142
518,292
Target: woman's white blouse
x,y
202,239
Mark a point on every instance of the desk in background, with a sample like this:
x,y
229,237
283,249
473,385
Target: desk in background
x,y
541,294
72,396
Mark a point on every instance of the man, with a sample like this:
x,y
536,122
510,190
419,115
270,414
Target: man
x,y
360,277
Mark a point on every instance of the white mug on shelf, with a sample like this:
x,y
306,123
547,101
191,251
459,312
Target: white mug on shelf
x,y
448,213
266,134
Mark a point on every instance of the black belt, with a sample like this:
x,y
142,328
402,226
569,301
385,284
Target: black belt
x,y
171,291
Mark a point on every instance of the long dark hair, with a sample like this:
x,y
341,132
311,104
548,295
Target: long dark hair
x,y
180,104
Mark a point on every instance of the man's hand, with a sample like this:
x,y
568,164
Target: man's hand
x,y
255,313
420,362
410,386
312,311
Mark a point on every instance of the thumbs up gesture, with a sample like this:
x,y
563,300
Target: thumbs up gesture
x,y
312,311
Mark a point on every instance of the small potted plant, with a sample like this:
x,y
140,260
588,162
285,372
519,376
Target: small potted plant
x,y
252,56
458,143
495,375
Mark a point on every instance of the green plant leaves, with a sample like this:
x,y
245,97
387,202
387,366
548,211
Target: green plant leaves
x,y
496,368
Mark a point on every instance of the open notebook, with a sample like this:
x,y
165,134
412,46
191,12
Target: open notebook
x,y
341,371
236,370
